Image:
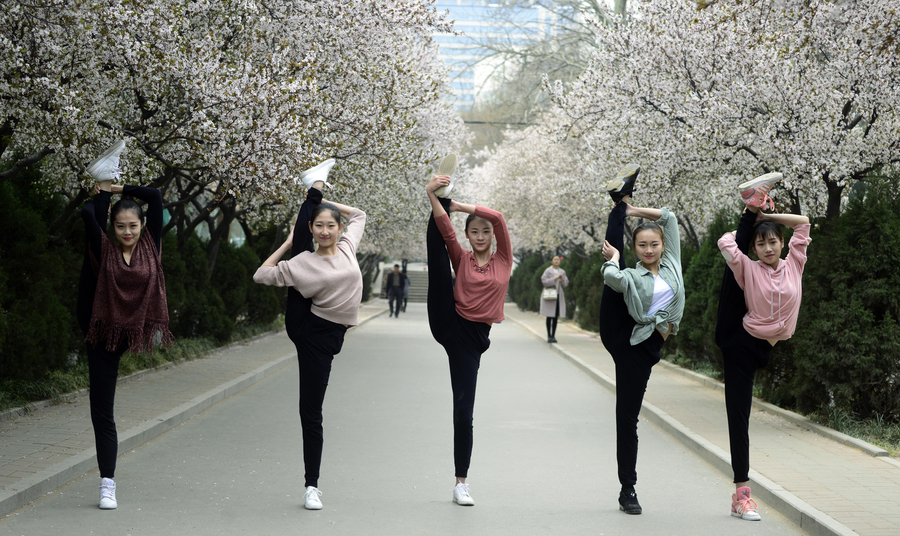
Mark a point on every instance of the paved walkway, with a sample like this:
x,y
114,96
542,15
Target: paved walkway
x,y
52,445
543,462
831,486
825,486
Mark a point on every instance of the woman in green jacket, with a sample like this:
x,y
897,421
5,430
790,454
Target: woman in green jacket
x,y
639,309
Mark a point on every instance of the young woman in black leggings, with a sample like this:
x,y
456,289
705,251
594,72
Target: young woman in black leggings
x,y
324,293
121,297
639,309
461,317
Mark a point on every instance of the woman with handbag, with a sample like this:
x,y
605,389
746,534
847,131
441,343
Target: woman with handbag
x,y
553,298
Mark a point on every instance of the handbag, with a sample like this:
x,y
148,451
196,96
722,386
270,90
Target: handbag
x,y
549,294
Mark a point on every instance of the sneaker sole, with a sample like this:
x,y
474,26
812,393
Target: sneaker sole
x,y
633,513
329,163
448,165
770,178
464,504
118,146
739,516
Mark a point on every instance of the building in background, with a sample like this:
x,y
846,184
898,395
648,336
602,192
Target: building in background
x,y
482,22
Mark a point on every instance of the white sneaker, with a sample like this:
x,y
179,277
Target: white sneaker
x,y
108,494
313,502
461,495
106,166
447,167
317,173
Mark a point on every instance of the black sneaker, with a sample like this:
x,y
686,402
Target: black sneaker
x,y
623,184
628,502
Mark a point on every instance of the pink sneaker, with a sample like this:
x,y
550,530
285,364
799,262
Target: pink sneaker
x,y
743,506
756,192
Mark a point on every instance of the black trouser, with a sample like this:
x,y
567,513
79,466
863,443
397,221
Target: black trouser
x,y
463,340
633,363
317,341
743,354
103,372
395,296
552,320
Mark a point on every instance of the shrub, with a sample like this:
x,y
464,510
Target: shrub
x,y
523,289
847,345
37,305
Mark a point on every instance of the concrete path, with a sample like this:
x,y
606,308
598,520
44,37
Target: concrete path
x,y
544,459
827,484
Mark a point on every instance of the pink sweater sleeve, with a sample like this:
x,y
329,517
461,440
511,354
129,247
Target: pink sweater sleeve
x,y
279,275
449,234
501,232
356,225
735,259
797,252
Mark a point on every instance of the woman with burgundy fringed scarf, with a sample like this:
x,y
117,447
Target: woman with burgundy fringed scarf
x,y
121,297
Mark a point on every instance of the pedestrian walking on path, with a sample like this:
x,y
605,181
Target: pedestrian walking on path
x,y
758,306
554,278
124,293
324,293
396,283
460,317
639,309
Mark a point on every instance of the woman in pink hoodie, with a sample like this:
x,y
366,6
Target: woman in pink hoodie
x,y
758,307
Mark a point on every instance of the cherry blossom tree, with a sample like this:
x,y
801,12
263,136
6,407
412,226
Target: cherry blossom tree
x,y
704,97
224,102
707,97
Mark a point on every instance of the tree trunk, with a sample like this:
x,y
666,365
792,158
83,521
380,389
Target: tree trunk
x,y
835,192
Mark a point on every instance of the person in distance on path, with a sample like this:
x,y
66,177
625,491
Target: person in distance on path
x,y
324,293
639,309
396,282
121,299
758,306
460,317
554,277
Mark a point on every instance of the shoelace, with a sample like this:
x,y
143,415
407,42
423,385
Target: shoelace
x,y
463,489
314,491
746,504
107,492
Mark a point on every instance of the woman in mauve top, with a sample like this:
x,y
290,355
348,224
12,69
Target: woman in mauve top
x,y
461,317
121,297
324,293
758,306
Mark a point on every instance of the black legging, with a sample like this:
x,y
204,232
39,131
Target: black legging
x,y
463,340
103,372
317,341
552,320
743,354
633,363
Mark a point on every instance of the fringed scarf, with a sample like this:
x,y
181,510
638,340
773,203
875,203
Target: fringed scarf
x,y
130,301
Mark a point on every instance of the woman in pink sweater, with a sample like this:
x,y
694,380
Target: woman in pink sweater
x,y
758,307
461,317
324,293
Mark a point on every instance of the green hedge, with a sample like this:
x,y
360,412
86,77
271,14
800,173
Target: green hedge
x,y
39,282
845,354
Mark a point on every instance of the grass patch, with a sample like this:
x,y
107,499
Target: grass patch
x,y
58,383
704,368
877,431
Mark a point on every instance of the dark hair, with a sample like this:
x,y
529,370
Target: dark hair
x,y
396,266
766,230
126,204
471,218
648,226
335,213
